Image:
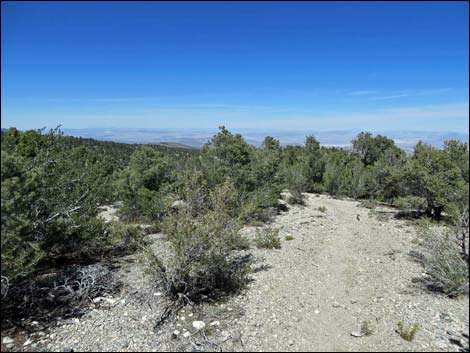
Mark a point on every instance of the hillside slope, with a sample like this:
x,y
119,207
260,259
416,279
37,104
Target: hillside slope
x,y
344,266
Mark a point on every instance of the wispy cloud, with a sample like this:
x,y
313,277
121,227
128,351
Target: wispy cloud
x,y
362,93
410,93
84,99
388,97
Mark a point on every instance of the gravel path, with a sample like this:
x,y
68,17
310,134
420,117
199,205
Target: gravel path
x,y
344,266
337,272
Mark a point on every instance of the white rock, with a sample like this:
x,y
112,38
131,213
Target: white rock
x,y
199,325
215,323
175,334
317,312
157,294
28,342
186,334
356,334
7,340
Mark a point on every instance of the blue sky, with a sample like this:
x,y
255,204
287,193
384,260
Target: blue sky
x,y
284,65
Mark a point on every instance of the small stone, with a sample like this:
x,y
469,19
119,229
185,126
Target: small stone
x,y
157,294
10,345
356,334
215,323
199,325
290,343
7,340
186,334
76,320
175,334
317,312
28,342
336,305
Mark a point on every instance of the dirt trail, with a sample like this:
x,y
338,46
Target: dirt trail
x,y
343,266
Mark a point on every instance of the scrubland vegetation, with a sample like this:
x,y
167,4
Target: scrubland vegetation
x,y
52,186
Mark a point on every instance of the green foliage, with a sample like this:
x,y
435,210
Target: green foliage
x,y
268,238
259,206
431,174
322,209
129,237
49,197
445,265
228,155
289,237
410,203
295,183
371,149
407,332
366,328
371,204
143,186
314,164
201,246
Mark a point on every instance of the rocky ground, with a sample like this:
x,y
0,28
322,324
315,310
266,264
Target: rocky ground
x,y
345,265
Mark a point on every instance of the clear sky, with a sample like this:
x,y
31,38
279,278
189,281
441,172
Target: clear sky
x,y
287,65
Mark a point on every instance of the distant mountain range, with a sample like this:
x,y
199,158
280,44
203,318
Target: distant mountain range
x,y
198,137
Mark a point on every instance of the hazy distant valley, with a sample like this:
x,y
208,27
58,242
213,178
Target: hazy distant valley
x,y
197,137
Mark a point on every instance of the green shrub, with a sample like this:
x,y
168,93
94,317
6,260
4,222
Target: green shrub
x,y
408,333
371,204
410,203
296,182
268,238
366,328
423,226
129,237
259,206
322,209
200,262
49,203
289,237
444,264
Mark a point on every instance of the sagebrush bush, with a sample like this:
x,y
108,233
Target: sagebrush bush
x,y
371,204
366,328
130,237
201,263
408,333
268,238
410,203
445,265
